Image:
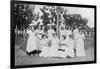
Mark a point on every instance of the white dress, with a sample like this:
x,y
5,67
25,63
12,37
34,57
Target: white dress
x,y
44,48
62,33
50,34
68,47
38,38
68,32
53,50
80,51
75,33
31,43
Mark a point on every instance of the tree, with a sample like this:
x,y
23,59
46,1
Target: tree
x,y
75,19
23,15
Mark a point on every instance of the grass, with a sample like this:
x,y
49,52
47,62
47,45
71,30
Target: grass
x,y
22,59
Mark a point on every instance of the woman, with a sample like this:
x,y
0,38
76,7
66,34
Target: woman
x,y
39,34
62,33
68,32
31,43
44,47
75,34
70,46
80,52
61,50
53,50
50,33
66,49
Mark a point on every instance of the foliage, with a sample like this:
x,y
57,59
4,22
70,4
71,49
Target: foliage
x,y
24,14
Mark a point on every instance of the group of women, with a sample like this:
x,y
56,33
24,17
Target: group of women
x,y
68,43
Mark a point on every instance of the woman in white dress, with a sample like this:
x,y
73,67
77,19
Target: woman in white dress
x,y
53,50
50,33
39,33
75,34
61,50
44,47
80,51
70,46
62,33
68,32
31,43
66,48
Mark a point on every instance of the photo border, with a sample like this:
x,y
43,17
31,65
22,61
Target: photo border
x,y
12,38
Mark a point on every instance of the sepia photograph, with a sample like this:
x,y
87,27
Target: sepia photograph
x,y
52,34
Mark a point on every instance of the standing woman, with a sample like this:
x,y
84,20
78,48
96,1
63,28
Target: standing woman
x,y
75,34
39,33
80,51
31,43
69,46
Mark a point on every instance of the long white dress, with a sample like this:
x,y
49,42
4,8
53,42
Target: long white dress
x,y
50,34
44,48
67,45
38,38
62,33
70,47
80,51
75,33
53,50
31,43
68,32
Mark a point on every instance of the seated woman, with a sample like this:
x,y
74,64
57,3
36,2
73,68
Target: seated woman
x,y
66,48
44,47
53,50
62,47
50,33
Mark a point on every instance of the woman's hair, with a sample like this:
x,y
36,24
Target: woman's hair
x,y
71,36
64,37
44,36
55,34
62,28
81,29
76,26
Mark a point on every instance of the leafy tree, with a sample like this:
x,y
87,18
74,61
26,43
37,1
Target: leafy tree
x,y
75,19
23,15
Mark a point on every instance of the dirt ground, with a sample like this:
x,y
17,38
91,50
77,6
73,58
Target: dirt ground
x,y
22,59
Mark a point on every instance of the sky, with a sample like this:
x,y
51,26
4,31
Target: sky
x,y
85,12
